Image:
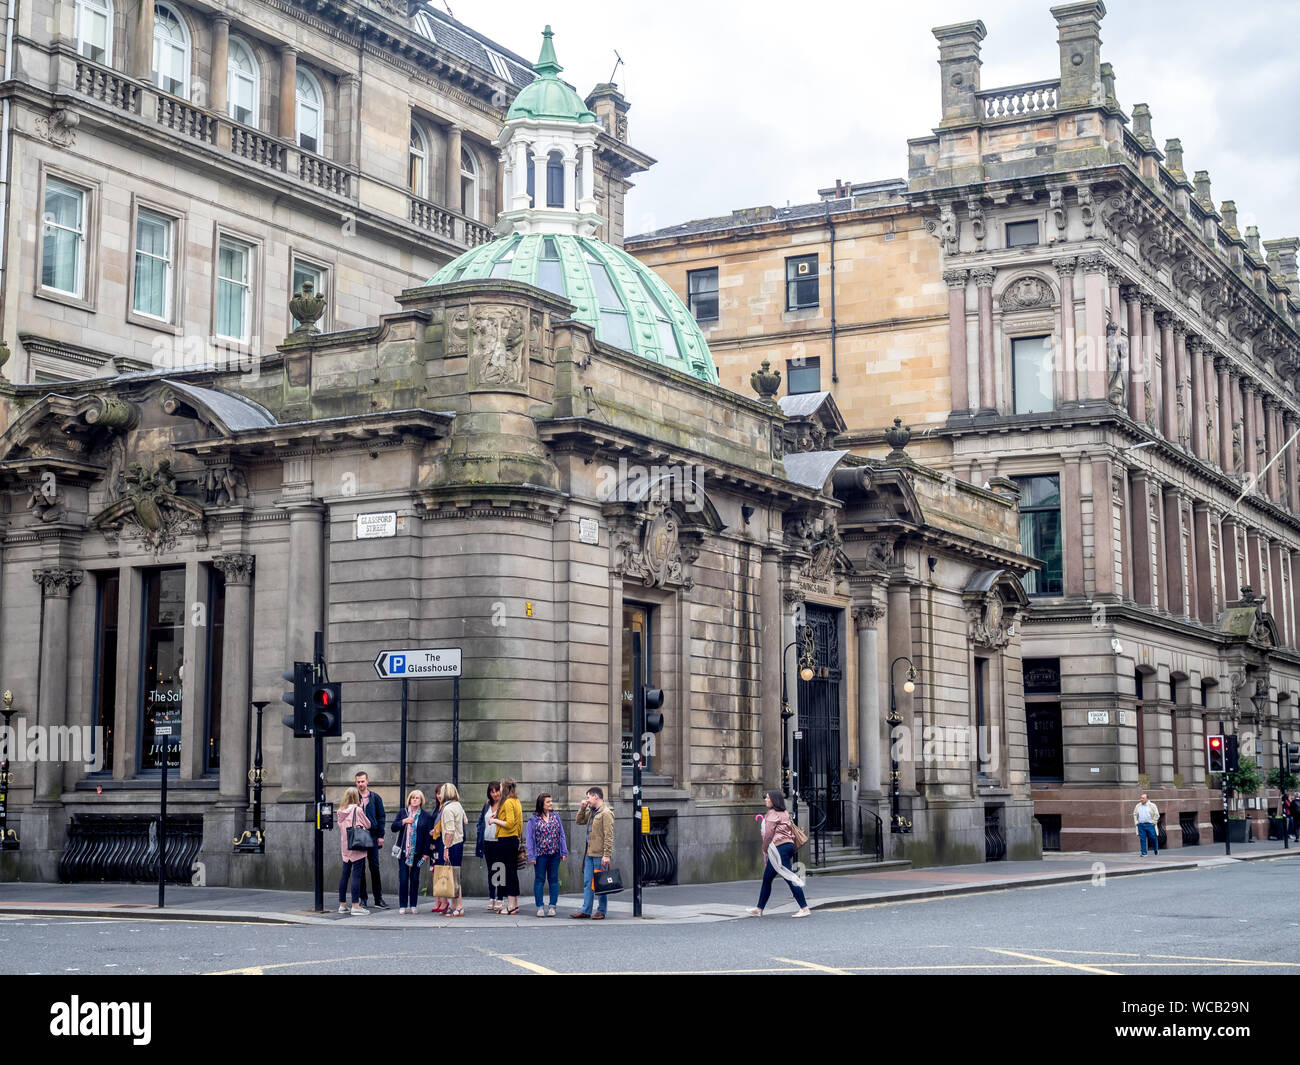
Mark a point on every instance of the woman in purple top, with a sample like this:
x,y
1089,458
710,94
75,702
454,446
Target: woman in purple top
x,y
546,845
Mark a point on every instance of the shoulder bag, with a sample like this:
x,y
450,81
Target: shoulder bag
x,y
606,881
800,836
359,839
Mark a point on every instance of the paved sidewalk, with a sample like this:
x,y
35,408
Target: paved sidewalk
x,y
687,903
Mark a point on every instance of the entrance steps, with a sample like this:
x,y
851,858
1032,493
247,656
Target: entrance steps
x,y
837,860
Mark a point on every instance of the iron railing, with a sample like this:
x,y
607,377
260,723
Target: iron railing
x,y
1162,837
1051,825
658,862
125,847
1187,822
878,835
995,844
817,827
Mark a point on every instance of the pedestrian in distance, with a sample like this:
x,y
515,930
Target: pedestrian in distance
x,y
1145,819
1286,809
487,834
413,827
599,819
352,814
509,821
440,905
453,843
547,847
778,852
374,806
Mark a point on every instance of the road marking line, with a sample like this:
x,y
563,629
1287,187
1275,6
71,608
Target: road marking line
x,y
1098,953
1054,961
531,966
812,965
1230,961
259,970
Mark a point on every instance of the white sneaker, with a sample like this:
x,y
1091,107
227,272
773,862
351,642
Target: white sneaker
x,y
342,908
754,911
805,912
401,909
541,911
550,912
360,911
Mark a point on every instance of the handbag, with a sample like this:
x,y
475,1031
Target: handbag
x,y
606,882
360,839
800,836
444,882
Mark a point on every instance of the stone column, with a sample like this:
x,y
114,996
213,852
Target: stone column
x,y
499,190
1295,597
519,176
236,675
1069,351
142,52
956,280
1255,556
770,598
1142,577
983,277
1149,359
1290,457
1277,605
1229,544
1072,524
1168,378
1175,564
1204,575
900,644
1137,369
1224,415
453,197
287,126
570,166
866,618
1187,391
1126,529
1095,299
220,61
346,146
1190,348
1244,415
57,584
1103,521
587,194
1261,453
1271,483
305,615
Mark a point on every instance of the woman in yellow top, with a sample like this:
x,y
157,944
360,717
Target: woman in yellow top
x,y
504,862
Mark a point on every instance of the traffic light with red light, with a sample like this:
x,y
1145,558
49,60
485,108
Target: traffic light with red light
x,y
327,709
1214,753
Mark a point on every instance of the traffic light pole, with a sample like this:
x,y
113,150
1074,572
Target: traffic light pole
x,y
318,741
638,731
1283,769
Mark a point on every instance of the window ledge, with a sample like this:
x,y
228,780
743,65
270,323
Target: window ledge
x,y
135,317
66,298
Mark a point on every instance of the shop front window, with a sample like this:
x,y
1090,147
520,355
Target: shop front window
x,y
636,618
162,672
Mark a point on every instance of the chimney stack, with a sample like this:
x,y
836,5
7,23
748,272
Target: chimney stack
x,y
1079,37
959,70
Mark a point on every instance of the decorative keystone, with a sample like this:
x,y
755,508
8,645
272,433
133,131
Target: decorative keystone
x,y
307,307
766,382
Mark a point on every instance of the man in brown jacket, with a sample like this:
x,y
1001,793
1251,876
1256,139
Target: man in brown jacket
x,y
599,819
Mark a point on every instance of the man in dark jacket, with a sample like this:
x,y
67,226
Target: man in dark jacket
x,y
374,807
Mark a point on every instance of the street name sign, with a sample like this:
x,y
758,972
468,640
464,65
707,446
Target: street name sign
x,y
421,662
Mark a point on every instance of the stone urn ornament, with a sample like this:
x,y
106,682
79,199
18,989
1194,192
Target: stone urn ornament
x,y
307,307
766,382
897,437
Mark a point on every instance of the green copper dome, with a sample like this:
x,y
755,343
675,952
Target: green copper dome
x,y
628,305
547,98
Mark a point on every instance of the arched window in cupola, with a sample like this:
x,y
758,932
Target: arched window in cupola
x,y
555,180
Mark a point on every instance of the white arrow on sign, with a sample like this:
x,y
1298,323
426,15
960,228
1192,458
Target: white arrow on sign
x,y
424,662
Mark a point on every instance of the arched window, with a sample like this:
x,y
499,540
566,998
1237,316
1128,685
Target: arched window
x,y
242,83
95,30
309,109
555,180
171,52
532,181
418,171
468,184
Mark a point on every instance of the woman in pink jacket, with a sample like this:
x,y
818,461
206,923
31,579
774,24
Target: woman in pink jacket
x,y
352,815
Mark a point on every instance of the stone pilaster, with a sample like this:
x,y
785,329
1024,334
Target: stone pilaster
x,y
866,618
957,373
1137,366
142,41
57,584
305,614
1168,378
236,677
220,62
287,126
1069,352
983,278
452,193
1143,587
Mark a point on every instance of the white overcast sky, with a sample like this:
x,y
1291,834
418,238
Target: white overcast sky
x,y
754,103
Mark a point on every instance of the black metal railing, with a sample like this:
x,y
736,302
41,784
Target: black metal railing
x,y
1051,825
995,844
817,828
878,845
658,862
1187,822
1162,837
125,847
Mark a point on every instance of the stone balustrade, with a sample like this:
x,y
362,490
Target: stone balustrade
x,y
1014,101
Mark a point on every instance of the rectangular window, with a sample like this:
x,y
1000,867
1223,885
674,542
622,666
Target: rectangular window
x,y
1040,532
234,289
93,31
304,272
702,293
162,647
63,255
153,265
803,375
801,283
1137,715
216,640
102,712
1031,374
636,618
1022,234
554,181
1042,677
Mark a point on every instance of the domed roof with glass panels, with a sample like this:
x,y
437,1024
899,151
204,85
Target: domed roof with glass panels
x,y
628,305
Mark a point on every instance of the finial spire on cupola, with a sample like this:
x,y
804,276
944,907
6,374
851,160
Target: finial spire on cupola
x,y
547,65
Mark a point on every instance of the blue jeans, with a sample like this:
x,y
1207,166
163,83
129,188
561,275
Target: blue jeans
x,y
351,876
787,852
589,867
1147,832
547,868
408,884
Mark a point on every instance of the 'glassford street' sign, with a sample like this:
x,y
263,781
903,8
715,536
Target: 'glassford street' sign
x,y
376,526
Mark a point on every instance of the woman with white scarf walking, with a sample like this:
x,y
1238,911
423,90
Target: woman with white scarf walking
x,y
779,849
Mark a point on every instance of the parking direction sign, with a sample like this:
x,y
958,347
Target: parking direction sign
x,y
424,662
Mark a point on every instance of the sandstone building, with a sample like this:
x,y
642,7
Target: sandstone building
x,y
1052,298
542,427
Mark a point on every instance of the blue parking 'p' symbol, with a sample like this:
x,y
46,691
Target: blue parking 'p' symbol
x,y
397,664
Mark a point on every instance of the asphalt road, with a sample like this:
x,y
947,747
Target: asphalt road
x,y
1230,919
